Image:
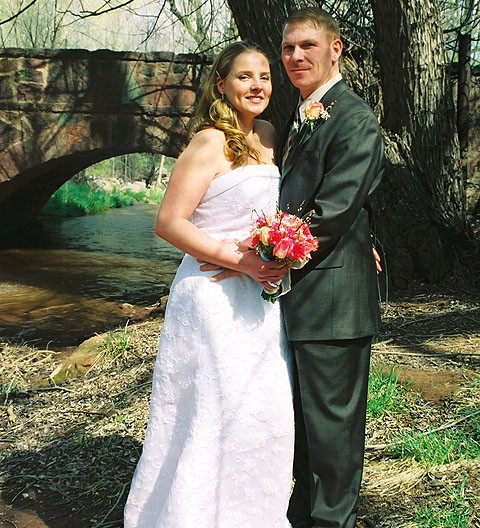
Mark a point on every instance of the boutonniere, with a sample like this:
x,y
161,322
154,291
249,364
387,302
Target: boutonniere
x,y
314,110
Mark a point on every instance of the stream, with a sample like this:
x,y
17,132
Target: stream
x,y
67,279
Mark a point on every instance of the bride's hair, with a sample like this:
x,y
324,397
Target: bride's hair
x,y
214,110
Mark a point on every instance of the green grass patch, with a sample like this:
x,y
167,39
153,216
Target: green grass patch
x,y
461,442
456,512
73,199
385,394
15,386
117,345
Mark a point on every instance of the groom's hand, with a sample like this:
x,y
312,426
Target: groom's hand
x,y
224,273
265,273
378,261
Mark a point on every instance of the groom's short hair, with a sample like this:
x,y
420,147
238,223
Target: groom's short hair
x,y
316,17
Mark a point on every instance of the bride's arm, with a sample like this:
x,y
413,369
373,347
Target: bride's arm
x,y
198,165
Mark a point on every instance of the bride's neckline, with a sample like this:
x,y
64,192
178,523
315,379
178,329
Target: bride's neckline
x,y
243,167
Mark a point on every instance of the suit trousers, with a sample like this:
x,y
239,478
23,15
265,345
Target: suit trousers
x,y
330,396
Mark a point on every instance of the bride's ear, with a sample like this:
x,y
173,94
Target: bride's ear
x,y
219,83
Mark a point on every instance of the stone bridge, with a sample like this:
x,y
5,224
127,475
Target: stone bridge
x,y
63,110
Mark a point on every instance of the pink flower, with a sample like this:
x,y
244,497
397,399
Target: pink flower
x,y
255,240
313,110
283,248
276,236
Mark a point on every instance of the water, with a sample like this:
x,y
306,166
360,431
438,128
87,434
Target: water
x,y
70,278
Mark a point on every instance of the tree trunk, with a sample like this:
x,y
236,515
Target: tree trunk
x,y
421,213
463,89
424,189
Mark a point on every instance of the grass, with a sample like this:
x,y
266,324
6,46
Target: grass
x,y
456,512
385,394
445,445
102,419
441,447
73,199
456,441
14,387
117,345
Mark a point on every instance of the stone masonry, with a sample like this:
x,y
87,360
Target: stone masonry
x,y
63,110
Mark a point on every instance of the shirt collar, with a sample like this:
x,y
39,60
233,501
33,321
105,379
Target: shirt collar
x,y
318,94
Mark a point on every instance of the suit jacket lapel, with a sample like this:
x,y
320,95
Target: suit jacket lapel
x,y
292,155
330,98
305,132
334,93
283,139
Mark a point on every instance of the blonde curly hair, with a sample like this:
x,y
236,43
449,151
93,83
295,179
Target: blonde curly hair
x,y
215,111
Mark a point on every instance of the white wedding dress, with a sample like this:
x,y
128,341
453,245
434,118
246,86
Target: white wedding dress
x,y
219,444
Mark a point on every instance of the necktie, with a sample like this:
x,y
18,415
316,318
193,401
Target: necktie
x,y
292,134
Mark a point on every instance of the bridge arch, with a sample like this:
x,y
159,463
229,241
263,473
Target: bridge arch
x,y
63,110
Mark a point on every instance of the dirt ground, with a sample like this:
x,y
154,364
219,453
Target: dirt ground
x,y
68,451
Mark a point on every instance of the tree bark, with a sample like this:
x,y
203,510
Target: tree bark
x,y
424,189
463,88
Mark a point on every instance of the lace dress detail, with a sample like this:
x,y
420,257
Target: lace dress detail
x,y
219,444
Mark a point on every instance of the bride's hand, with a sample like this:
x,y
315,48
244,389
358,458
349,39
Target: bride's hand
x,y
276,276
243,245
225,274
265,273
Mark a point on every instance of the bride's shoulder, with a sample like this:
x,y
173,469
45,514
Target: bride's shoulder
x,y
205,151
266,131
209,137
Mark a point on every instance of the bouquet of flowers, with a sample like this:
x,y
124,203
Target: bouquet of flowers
x,y
285,238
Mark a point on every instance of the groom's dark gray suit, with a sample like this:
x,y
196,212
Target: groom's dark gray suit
x,y
332,310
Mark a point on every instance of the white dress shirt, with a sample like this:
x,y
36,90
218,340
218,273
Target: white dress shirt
x,y
317,94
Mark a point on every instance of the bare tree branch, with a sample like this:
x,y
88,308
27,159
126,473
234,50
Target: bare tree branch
x,y
18,13
102,10
153,28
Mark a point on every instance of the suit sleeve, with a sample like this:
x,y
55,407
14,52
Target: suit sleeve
x,y
353,166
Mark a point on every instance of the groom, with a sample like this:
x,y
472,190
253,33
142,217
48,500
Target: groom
x,y
331,162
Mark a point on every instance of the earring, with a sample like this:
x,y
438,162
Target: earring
x,y
223,96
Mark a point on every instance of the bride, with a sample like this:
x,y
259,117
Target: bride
x,y
219,444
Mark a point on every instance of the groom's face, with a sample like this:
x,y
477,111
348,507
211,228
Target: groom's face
x,y
310,56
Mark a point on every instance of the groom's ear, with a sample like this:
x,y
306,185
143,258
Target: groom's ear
x,y
336,46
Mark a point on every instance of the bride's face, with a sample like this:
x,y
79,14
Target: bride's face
x,y
248,86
